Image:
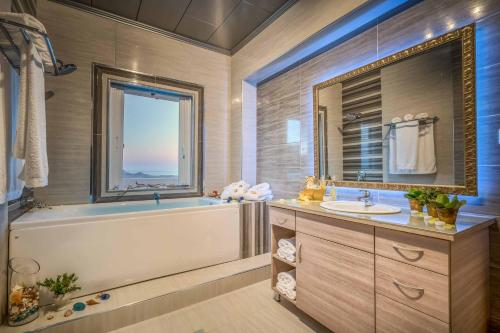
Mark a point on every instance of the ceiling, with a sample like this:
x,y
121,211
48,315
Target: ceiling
x,y
225,25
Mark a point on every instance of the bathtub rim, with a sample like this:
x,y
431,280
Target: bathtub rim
x,y
31,220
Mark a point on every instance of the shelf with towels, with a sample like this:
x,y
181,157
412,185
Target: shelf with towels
x,y
11,48
421,121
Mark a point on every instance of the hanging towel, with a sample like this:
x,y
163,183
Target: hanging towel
x,y
31,145
35,38
426,163
406,146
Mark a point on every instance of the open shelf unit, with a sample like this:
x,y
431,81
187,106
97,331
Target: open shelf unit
x,y
279,264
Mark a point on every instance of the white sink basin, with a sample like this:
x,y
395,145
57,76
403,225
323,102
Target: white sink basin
x,y
359,207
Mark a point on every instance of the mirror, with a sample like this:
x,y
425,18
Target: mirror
x,y
404,120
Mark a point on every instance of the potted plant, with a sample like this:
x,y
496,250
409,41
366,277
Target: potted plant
x,y
61,288
448,209
415,198
429,196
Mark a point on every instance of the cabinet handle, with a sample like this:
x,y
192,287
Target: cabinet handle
x,y
299,252
401,285
399,248
282,220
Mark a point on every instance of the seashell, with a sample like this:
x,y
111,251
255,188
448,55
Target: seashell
x,y
68,313
50,316
92,302
16,297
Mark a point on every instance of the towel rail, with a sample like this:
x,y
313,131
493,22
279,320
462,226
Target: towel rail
x,y
59,67
421,121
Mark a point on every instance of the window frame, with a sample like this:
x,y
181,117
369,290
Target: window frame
x,y
102,76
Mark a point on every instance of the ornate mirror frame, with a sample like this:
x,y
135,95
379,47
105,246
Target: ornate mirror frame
x,y
466,36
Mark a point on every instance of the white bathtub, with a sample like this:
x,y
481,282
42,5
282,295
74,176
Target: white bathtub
x,y
115,244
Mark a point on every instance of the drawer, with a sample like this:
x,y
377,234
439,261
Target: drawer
x,y
418,288
421,251
394,317
282,217
352,234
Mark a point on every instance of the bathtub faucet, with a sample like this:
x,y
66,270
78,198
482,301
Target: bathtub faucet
x,y
156,197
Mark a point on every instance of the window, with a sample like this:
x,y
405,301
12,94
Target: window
x,y
147,137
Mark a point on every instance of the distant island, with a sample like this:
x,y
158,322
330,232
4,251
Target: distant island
x,y
142,175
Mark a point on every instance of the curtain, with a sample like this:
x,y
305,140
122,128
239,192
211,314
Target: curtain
x,y
115,135
186,131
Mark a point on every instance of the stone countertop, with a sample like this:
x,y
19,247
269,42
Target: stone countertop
x,y
402,221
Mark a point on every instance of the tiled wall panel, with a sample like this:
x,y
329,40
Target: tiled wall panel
x,y
83,38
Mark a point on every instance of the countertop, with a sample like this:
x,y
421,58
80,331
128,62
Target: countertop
x,y
402,221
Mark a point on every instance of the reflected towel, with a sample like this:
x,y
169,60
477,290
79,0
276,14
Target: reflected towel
x,y
426,163
406,146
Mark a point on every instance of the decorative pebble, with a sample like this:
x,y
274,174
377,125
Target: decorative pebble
x,y
104,296
68,313
79,306
92,302
50,316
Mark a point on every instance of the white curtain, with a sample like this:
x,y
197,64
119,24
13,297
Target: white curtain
x,y
115,135
186,131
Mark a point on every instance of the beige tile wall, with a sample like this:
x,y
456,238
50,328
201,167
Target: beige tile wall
x,y
83,38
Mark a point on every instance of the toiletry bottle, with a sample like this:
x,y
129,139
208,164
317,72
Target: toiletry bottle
x,y
333,190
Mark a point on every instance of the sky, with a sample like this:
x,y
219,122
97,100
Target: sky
x,y
151,135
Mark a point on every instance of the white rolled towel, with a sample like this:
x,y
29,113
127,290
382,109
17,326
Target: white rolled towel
x,y
291,294
235,190
285,254
287,279
287,243
283,289
259,196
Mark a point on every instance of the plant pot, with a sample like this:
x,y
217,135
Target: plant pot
x,y
416,205
61,300
447,215
432,210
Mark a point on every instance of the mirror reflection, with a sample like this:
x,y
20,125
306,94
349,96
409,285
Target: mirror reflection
x,y
401,123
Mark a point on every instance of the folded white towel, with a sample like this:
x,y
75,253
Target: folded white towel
x,y
235,190
287,279
395,120
36,39
422,115
31,142
287,243
259,192
406,145
284,254
291,294
282,289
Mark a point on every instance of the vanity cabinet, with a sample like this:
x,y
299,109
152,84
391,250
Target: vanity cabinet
x,y
364,276
335,284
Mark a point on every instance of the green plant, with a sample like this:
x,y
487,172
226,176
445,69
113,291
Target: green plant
x,y
429,195
415,194
443,201
63,284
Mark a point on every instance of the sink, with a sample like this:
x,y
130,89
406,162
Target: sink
x,y
359,207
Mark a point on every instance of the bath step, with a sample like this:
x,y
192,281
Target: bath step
x,y
135,303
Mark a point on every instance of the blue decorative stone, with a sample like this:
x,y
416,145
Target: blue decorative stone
x,y
104,297
229,199
241,199
79,306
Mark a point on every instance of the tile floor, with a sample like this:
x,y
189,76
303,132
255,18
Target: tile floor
x,y
251,309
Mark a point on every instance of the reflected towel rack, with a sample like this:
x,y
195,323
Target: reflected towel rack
x,y
421,121
12,52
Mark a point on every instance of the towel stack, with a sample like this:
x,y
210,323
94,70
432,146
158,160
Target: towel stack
x,y
286,284
286,249
259,192
243,190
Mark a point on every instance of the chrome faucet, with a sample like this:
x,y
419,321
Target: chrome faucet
x,y
156,197
366,198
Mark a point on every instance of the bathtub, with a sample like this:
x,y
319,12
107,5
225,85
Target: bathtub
x,y
109,245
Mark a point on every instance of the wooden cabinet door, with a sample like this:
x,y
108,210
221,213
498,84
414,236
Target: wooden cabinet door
x,y
335,284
